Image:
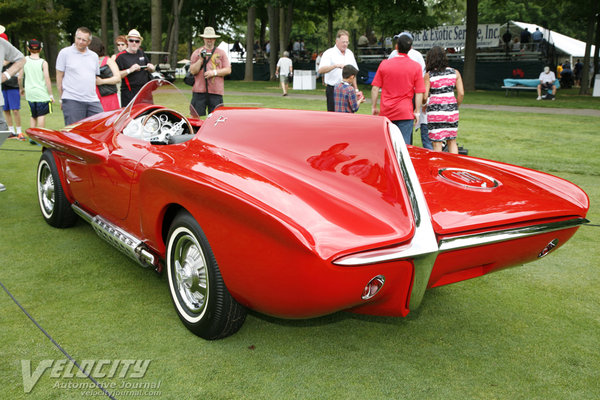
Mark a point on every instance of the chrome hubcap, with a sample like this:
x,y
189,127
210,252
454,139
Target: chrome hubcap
x,y
191,274
46,190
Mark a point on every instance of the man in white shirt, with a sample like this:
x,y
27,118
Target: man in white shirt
x,y
332,62
284,70
547,79
413,54
76,71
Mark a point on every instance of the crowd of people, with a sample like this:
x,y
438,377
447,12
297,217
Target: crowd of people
x,y
89,82
413,92
565,75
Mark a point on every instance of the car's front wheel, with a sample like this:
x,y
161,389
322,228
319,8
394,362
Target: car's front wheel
x,y
54,204
201,299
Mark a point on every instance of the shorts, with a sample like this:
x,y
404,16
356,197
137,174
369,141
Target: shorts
x,y
12,99
202,101
284,79
39,108
74,110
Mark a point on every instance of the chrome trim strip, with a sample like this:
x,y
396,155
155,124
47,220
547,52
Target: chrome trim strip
x,y
122,240
503,235
422,261
423,246
84,215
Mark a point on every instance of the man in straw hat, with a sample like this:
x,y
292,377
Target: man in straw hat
x,y
134,66
209,65
9,53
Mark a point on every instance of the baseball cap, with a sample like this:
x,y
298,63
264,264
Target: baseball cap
x,y
405,33
34,44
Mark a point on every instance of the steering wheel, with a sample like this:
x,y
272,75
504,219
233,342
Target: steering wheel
x,y
162,135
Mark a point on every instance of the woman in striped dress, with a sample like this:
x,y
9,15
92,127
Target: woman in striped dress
x,y
442,105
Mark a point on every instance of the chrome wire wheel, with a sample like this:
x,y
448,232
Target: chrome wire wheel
x,y
191,275
46,190
199,294
54,204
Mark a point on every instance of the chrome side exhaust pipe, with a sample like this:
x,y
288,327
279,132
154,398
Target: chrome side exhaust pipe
x,y
128,244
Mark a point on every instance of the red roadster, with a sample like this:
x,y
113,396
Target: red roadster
x,y
294,214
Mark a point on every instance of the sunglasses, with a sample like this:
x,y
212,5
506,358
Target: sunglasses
x,y
133,41
121,44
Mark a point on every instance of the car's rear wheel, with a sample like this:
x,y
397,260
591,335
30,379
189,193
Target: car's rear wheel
x,y
54,205
201,299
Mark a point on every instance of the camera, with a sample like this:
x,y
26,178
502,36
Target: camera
x,y
205,54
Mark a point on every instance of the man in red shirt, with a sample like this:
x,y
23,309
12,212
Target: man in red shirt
x,y
400,79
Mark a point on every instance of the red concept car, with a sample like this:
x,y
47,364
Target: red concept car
x,y
294,214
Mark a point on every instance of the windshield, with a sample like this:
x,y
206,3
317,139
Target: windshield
x,y
158,92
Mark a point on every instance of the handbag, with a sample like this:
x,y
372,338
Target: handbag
x,y
106,90
189,79
11,83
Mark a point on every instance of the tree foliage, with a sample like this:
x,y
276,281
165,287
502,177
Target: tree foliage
x,y
314,21
567,17
391,17
27,19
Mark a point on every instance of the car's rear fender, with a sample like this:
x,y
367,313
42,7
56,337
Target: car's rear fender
x,y
59,159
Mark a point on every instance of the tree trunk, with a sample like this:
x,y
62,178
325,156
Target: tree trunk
x,y
282,42
173,40
585,77
104,24
286,16
249,71
597,46
51,41
329,22
156,28
115,20
171,19
190,35
273,38
470,47
263,32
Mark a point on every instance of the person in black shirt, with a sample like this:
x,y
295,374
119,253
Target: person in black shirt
x,y
525,37
134,66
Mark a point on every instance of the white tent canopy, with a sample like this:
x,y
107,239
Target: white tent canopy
x,y
233,56
564,44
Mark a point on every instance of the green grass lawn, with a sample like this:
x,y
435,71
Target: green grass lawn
x,y
530,332
565,98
